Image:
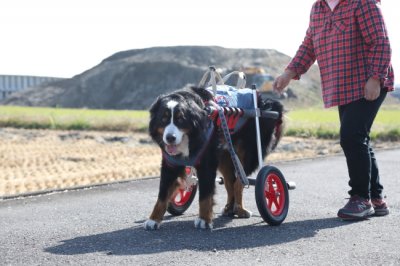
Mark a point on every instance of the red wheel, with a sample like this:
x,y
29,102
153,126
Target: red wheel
x,y
272,195
183,197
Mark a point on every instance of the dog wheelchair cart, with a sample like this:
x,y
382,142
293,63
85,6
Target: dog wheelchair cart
x,y
271,188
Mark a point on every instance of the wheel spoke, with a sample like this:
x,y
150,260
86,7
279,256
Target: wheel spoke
x,y
269,203
182,196
277,204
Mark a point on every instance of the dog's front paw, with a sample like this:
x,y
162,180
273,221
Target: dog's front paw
x,y
202,224
151,225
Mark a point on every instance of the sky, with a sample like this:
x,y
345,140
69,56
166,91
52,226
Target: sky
x,y
63,38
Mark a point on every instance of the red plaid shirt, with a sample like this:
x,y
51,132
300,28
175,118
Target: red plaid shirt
x,y
350,45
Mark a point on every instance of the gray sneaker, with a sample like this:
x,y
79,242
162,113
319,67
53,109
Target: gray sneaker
x,y
357,208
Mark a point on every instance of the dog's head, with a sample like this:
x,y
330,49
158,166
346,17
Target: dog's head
x,y
175,121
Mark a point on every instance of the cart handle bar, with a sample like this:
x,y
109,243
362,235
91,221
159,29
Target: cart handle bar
x,y
211,111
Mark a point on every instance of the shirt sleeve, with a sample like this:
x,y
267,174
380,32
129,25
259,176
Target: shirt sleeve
x,y
374,33
305,55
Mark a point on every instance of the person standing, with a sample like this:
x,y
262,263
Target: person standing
x,y
349,41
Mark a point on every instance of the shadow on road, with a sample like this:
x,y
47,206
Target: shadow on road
x,y
181,235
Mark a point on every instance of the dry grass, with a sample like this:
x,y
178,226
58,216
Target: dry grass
x,y
37,160
41,160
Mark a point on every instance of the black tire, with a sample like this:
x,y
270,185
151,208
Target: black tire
x,y
272,195
182,201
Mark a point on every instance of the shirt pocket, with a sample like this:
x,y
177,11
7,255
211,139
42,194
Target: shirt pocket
x,y
342,24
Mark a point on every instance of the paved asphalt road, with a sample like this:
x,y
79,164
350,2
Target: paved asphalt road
x,y
103,226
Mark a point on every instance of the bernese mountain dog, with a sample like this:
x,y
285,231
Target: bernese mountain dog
x,y
187,135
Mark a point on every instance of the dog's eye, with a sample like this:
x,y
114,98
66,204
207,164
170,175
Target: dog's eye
x,y
179,118
165,117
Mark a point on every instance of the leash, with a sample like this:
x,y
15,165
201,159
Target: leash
x,y
235,159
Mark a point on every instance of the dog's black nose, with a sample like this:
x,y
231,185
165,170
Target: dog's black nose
x,y
171,138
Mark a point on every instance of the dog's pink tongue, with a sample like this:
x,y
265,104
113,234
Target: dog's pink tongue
x,y
171,149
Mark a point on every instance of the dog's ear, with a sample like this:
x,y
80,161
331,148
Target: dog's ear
x,y
154,108
198,116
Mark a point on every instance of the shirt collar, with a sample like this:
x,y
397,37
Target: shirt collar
x,y
324,3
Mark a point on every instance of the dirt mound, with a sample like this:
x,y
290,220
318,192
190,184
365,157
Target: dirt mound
x,y
133,79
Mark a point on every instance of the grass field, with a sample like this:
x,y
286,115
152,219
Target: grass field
x,y
320,123
324,123
72,119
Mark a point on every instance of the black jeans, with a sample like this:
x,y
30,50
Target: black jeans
x,y
356,119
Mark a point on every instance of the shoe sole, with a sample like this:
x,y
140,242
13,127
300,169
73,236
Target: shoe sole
x,y
381,212
352,218
357,217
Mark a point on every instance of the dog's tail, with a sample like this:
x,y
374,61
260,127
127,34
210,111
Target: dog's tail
x,y
278,133
278,125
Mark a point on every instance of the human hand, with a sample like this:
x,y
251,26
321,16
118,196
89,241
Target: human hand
x,y
281,82
372,89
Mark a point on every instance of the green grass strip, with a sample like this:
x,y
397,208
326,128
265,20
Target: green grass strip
x,y
324,123
312,122
73,119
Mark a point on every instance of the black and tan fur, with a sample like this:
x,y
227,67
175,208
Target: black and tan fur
x,y
190,121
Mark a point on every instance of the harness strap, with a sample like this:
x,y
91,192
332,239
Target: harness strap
x,y
241,79
235,159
